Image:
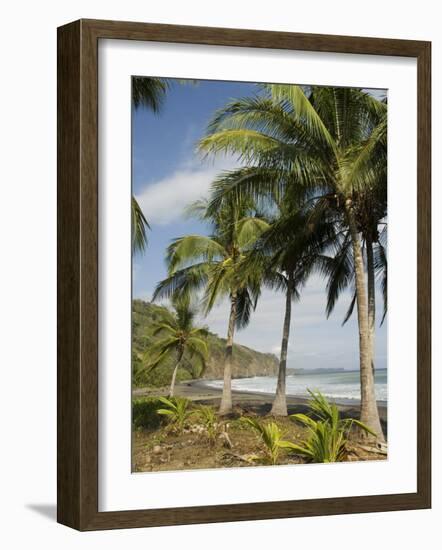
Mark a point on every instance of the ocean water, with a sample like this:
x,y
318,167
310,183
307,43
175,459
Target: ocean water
x,y
340,386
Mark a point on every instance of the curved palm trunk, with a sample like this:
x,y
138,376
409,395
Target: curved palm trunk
x,y
226,399
369,409
279,407
175,370
371,298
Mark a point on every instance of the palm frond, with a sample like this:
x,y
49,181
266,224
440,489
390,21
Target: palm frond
x,y
303,110
149,92
183,281
139,226
192,248
249,230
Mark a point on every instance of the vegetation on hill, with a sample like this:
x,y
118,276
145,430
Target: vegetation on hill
x,y
145,315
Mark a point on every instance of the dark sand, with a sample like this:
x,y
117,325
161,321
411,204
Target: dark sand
x,y
197,390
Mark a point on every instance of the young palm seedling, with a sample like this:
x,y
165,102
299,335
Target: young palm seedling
x,y
177,409
208,418
271,436
327,434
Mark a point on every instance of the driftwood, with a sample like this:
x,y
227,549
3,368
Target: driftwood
x,y
379,448
226,439
243,458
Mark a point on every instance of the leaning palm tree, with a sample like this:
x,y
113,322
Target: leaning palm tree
x,y
179,339
213,264
315,138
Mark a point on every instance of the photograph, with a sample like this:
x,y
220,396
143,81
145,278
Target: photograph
x,y
259,274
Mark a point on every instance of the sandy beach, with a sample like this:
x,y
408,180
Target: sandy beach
x,y
197,390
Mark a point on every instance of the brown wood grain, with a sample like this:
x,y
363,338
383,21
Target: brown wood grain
x,y
77,226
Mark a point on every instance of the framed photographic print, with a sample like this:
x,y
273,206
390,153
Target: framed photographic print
x,y
243,275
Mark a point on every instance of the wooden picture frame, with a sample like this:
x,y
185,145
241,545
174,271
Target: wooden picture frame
x,y
77,461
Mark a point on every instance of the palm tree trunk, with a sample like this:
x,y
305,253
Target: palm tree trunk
x,y
369,409
371,298
279,407
226,399
175,370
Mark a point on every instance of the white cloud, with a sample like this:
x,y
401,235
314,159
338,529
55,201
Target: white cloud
x,y
164,201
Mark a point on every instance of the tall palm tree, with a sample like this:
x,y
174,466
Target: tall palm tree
x,y
213,264
316,138
371,212
181,339
339,271
284,256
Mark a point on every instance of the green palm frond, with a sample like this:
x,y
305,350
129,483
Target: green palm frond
x,y
183,281
149,92
350,308
270,435
158,328
381,269
339,272
157,354
193,248
198,345
257,113
139,226
207,416
303,110
249,230
178,411
245,144
327,432
246,302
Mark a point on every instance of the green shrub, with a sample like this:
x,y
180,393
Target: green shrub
x,y
144,413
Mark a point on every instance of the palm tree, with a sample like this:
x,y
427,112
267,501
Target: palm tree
x,y
179,339
285,255
149,93
339,271
213,263
371,213
317,138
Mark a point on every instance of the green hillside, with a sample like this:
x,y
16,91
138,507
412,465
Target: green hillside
x,y
246,362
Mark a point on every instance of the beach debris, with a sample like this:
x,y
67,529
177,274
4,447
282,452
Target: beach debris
x,y
249,458
195,429
242,458
380,448
227,442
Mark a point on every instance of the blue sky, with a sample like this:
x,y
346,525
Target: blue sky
x,y
168,175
